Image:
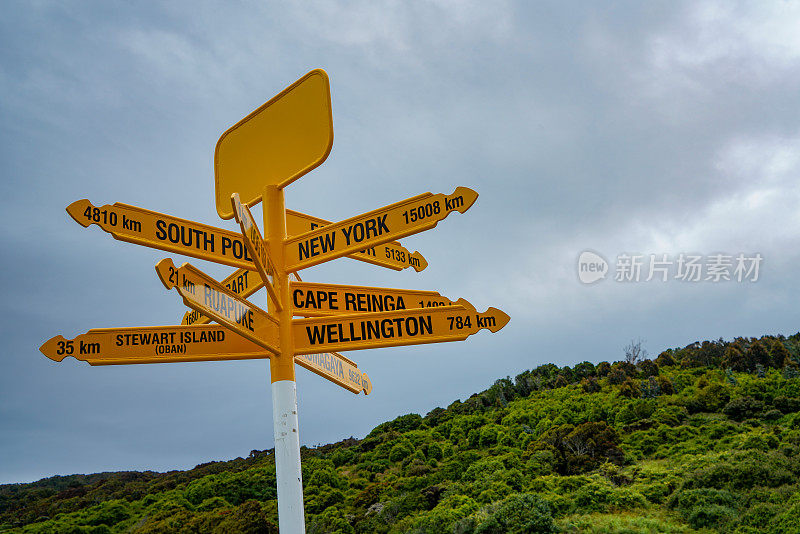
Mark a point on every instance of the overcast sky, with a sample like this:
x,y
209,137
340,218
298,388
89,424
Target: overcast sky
x,y
625,128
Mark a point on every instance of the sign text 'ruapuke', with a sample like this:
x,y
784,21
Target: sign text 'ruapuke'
x,y
204,294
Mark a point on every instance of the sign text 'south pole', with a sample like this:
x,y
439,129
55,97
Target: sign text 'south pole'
x,y
284,388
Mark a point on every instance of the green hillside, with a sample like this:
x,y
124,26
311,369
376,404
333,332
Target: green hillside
x,y
705,438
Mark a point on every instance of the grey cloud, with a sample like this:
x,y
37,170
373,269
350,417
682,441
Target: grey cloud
x,y
626,127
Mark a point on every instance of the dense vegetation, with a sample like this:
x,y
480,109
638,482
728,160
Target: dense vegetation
x,y
706,438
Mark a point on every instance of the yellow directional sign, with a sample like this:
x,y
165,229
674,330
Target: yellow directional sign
x,y
153,344
337,369
242,282
276,144
376,227
389,329
164,232
255,245
392,254
165,344
312,300
204,294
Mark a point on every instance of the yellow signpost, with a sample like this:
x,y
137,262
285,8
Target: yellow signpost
x,y
254,160
376,227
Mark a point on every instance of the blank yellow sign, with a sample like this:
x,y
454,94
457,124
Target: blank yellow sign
x,y
276,144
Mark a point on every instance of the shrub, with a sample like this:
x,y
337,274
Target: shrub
x,y
686,500
330,520
317,500
671,415
743,408
323,474
434,451
234,487
647,368
629,388
787,404
616,376
710,398
735,359
594,497
582,448
745,470
404,423
713,516
368,496
213,503
488,436
342,456
786,522
457,435
520,513
656,492
760,515
665,359
401,451
584,370
108,513
665,385
627,499
590,385
447,512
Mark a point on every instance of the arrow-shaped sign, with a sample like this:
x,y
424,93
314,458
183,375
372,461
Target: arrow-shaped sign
x,y
204,294
256,246
392,254
374,228
242,282
153,344
389,329
165,344
312,300
164,232
337,369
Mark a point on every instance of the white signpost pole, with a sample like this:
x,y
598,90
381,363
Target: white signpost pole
x,y
291,516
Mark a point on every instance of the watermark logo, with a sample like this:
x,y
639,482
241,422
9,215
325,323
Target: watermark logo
x,y
591,267
683,267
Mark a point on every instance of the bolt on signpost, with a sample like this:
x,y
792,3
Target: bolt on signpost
x,y
254,161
